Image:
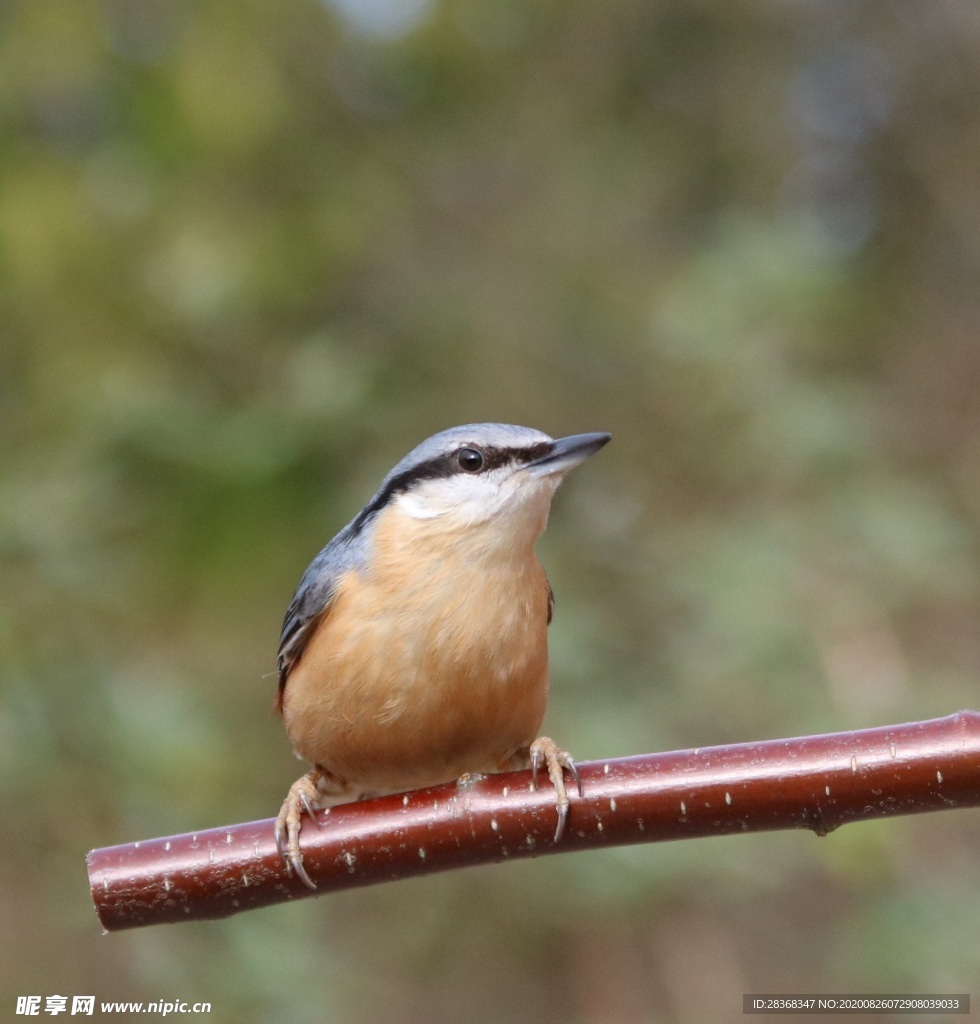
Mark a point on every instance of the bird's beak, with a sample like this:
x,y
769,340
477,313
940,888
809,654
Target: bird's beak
x,y
566,453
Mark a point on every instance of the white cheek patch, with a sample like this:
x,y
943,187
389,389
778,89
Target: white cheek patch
x,y
471,497
418,507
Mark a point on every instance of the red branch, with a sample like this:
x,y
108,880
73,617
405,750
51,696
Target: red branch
x,y
814,782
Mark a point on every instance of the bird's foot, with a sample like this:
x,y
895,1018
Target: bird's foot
x,y
546,751
303,795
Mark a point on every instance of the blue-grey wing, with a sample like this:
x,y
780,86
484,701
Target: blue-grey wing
x,y
313,599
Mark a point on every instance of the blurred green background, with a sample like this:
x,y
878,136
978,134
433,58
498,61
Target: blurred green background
x,y
251,253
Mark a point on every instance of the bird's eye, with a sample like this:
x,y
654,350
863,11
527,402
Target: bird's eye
x,y
470,459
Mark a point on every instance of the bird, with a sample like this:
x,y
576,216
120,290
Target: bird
x,y
415,648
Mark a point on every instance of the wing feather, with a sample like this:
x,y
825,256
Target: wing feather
x,y
313,599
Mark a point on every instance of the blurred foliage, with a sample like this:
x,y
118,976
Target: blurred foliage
x,y
250,253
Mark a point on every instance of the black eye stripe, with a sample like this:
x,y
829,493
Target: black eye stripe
x,y
447,465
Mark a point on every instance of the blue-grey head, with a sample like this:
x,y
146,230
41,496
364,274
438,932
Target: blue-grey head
x,y
482,472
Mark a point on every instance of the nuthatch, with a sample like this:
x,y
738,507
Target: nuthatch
x,y
415,649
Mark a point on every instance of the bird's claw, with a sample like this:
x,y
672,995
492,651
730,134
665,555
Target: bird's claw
x,y
544,751
309,805
302,796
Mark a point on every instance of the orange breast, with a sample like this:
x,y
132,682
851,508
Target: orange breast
x,y
433,664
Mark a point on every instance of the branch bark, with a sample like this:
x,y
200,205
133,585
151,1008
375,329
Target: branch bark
x,y
812,782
